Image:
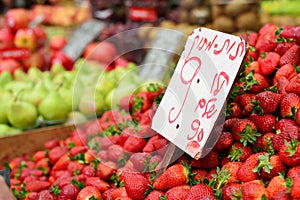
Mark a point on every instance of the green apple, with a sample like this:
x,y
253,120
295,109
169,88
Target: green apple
x,y
5,77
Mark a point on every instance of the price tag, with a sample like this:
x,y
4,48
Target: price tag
x,y
191,113
162,50
15,53
6,175
81,37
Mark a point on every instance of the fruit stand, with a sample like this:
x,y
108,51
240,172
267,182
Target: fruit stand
x,y
82,84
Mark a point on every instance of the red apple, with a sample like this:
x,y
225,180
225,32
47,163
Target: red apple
x,y
9,65
6,39
104,52
61,58
25,38
58,42
16,19
41,36
37,60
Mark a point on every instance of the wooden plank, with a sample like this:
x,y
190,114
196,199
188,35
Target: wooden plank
x,y
31,141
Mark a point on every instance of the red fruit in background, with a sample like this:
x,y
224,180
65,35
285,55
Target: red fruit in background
x,y
244,99
295,189
118,193
136,185
58,42
104,52
174,175
200,174
245,131
291,132
250,37
292,33
294,85
291,56
37,59
139,160
69,191
56,153
98,183
178,192
283,124
282,47
253,190
264,123
282,83
233,110
270,166
255,66
88,192
106,169
51,144
269,101
9,65
266,40
288,71
134,144
16,19
60,57
297,117
289,105
25,38
232,168
40,35
294,172
200,191
6,39
37,186
268,63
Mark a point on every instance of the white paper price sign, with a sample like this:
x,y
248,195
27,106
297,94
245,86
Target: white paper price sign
x,y
198,90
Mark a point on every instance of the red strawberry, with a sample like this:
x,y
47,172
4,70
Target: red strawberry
x,y
62,163
268,63
149,146
75,167
45,195
262,83
266,40
290,153
288,71
232,168
245,99
282,47
253,190
125,134
297,117
56,153
294,85
275,186
178,192
224,142
89,192
291,56
282,83
98,183
295,189
136,185
119,192
106,170
200,174
269,166
283,124
294,172
160,146
245,131
269,101
51,144
246,171
254,65
264,123
233,110
266,142
115,152
239,152
250,38
290,132
229,190
77,150
291,33
39,155
229,123
37,186
175,175
68,191
200,191
134,144
289,105
252,54
139,160
210,161
155,195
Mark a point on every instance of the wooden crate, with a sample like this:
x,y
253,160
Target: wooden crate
x,y
31,141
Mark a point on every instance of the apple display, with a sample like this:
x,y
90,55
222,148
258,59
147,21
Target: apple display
x,y
41,36
9,65
58,42
104,52
37,59
25,38
6,39
16,19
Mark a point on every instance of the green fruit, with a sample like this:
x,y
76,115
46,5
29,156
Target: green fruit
x,y
5,100
21,76
54,107
76,118
16,87
114,97
34,74
6,130
57,69
21,114
70,98
35,95
5,77
92,104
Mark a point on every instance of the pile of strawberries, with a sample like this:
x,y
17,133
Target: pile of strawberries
x,y
118,156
